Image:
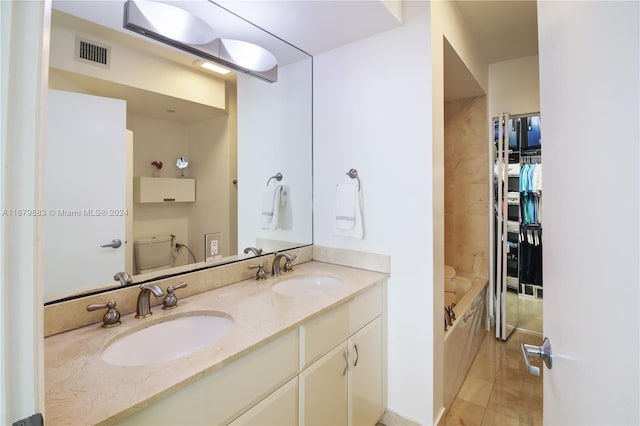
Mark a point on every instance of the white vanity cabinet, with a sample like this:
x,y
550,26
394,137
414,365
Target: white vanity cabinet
x,y
344,384
327,371
220,397
278,409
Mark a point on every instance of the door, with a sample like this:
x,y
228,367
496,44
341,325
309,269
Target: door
x,y
505,227
589,92
84,200
365,375
323,390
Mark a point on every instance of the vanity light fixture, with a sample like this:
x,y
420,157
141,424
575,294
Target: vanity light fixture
x,y
181,29
211,67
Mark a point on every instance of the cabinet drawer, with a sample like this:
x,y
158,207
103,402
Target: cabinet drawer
x,y
220,397
321,334
364,308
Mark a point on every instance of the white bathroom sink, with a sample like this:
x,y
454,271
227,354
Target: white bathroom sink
x,y
167,340
306,285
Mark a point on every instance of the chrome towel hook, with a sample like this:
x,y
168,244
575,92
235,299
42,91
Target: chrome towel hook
x,y
277,176
353,174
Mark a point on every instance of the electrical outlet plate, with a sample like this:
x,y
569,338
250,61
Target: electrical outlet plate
x,y
212,246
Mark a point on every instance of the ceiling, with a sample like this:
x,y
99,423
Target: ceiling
x,y
503,30
316,26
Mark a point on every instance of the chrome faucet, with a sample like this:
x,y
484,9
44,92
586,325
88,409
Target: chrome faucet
x,y
447,319
144,299
256,251
123,277
449,316
275,268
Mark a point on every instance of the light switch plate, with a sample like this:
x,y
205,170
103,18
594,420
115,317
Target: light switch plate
x,y
212,246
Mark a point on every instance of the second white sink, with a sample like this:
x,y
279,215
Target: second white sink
x,y
167,340
306,285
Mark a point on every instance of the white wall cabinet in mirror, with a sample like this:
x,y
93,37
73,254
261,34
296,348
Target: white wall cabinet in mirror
x,y
236,131
164,190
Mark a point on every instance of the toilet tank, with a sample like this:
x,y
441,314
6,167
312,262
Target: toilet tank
x,y
153,253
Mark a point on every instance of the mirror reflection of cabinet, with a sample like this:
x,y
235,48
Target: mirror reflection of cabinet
x,y
163,190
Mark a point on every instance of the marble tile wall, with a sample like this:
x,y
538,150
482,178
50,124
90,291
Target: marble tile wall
x,y
466,162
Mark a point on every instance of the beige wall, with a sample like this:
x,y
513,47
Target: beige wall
x,y
208,146
210,152
152,73
446,22
466,180
514,86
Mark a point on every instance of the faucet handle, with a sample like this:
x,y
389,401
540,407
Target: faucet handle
x,y
261,274
112,317
170,301
288,266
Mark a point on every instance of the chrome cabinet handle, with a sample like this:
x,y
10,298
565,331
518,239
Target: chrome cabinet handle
x,y
346,362
113,244
355,347
543,352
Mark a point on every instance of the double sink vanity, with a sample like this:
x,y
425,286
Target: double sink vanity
x,y
304,347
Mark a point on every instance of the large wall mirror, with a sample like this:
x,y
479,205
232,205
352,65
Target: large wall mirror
x,y
156,166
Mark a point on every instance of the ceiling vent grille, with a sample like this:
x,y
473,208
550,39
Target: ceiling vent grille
x,y
92,52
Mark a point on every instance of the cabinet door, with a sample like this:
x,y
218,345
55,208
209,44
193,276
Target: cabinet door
x,y
323,390
365,375
278,409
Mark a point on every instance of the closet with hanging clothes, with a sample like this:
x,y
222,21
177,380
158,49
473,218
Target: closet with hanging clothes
x,y
530,264
517,236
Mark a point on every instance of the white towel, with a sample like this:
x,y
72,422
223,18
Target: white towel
x,y
285,216
270,207
276,208
348,211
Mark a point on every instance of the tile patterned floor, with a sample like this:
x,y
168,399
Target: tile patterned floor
x,y
498,391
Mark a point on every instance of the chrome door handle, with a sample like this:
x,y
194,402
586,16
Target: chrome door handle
x,y
543,352
113,244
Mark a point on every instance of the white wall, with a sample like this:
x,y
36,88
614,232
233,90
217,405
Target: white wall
x,y
24,85
514,86
372,112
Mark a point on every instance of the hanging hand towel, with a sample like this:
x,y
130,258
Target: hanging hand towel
x,y
285,219
348,211
270,207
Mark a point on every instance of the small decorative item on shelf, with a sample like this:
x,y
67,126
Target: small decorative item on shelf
x,y
158,167
182,164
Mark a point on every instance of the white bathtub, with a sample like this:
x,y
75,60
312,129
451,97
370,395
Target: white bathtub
x,y
462,340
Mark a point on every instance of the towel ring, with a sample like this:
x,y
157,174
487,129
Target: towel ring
x,y
353,174
277,176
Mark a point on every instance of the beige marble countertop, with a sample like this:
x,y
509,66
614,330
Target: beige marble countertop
x,y
82,389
